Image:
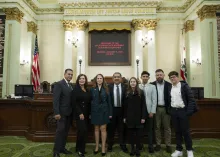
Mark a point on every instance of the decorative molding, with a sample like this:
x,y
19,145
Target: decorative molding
x,y
138,24
182,8
98,4
189,25
13,14
208,11
81,24
151,24
68,25
32,27
108,11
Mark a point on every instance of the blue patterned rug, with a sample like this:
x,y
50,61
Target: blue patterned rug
x,y
20,147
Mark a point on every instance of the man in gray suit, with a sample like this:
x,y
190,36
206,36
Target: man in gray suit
x,y
151,103
63,112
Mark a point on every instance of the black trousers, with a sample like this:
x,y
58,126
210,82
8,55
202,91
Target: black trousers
x,y
180,122
135,135
82,134
117,123
63,126
149,128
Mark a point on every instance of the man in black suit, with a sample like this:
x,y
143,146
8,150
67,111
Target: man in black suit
x,y
63,112
117,92
163,109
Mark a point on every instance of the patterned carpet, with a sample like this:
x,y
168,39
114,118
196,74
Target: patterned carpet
x,y
20,147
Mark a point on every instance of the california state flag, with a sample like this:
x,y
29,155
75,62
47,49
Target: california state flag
x,y
183,71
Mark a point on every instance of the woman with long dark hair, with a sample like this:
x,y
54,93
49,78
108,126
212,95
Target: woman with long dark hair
x,y
134,114
81,99
101,110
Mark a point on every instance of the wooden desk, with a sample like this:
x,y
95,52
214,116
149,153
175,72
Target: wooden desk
x,y
34,120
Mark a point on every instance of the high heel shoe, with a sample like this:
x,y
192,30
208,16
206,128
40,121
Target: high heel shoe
x,y
103,154
95,152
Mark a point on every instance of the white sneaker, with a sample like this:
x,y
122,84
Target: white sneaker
x,y
177,153
190,153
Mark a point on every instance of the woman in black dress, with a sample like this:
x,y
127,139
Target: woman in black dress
x,y
134,114
81,100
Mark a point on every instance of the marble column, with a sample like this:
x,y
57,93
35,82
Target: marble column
x,y
12,45
81,46
209,50
68,56
138,25
189,27
32,32
151,55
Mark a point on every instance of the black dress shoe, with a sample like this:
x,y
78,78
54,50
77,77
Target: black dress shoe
x,y
157,148
56,155
151,150
65,151
124,148
132,152
169,149
141,147
109,149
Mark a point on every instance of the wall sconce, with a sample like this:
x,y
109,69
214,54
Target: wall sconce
x,y
145,41
137,61
80,62
74,41
23,62
197,61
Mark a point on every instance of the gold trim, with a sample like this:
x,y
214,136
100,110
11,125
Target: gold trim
x,y
189,25
81,24
182,8
32,27
13,14
109,26
208,11
68,25
78,4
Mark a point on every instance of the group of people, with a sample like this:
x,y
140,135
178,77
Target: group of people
x,y
130,109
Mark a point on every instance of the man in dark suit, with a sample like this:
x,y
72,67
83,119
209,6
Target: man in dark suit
x,y
163,109
117,92
63,112
183,105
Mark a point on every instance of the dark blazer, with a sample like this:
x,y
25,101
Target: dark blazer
x,y
81,102
167,99
62,98
188,99
135,109
101,107
123,93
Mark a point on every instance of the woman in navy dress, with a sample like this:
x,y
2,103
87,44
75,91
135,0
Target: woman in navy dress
x,y
101,110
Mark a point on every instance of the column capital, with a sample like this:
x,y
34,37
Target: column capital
x,y
32,27
13,14
68,25
189,25
151,24
81,24
208,11
137,24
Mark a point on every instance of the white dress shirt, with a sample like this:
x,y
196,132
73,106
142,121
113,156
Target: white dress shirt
x,y
115,94
160,92
176,97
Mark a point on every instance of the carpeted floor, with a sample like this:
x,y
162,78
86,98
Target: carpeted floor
x,y
20,147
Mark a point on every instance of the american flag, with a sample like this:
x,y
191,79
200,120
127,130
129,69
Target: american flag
x,y
35,67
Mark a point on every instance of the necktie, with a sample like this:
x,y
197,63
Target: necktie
x,y
118,97
69,85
